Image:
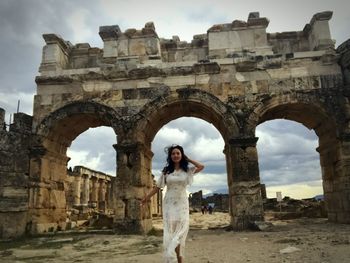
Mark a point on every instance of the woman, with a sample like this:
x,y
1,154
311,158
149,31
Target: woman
x,y
176,176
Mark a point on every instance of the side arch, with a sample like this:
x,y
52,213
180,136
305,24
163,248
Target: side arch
x,y
48,161
66,123
322,118
306,110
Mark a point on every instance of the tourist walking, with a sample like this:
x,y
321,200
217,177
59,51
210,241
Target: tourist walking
x,y
176,175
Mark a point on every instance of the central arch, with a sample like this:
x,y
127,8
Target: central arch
x,y
190,103
186,103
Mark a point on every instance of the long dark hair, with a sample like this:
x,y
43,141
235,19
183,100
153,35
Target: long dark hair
x,y
169,168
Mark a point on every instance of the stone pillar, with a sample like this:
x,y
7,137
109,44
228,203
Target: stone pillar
x,y
245,202
335,165
263,191
133,181
2,119
108,194
154,203
86,190
47,205
94,192
102,190
160,202
102,195
77,189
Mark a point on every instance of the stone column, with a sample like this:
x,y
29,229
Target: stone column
x,y
102,190
94,192
108,194
160,202
77,189
154,204
335,165
102,195
47,206
245,201
86,190
133,181
2,119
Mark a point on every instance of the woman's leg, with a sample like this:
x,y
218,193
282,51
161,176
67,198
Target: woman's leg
x,y
177,250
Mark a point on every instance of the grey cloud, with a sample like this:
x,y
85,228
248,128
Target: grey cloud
x,y
201,127
287,154
23,23
282,127
98,142
289,171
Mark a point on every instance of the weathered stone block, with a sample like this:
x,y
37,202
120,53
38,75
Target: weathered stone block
x,y
13,224
206,68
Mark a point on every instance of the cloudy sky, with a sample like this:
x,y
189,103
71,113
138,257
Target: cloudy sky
x,y
283,167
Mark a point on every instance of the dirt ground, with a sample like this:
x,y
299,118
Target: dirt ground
x,y
298,240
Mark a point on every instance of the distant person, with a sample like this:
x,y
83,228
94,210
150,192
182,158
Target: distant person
x,y
176,176
205,209
210,209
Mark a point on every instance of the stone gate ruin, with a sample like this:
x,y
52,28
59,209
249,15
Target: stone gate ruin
x,y
235,76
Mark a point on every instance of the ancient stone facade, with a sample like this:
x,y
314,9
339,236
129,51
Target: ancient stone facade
x,y
234,76
86,187
220,201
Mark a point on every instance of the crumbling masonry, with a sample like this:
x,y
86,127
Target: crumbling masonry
x,y
234,76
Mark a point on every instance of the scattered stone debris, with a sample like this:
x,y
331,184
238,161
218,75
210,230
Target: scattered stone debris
x,y
289,250
261,226
292,208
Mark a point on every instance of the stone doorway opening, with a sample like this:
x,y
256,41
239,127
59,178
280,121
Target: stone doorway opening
x,y
195,103
313,116
202,142
91,169
289,165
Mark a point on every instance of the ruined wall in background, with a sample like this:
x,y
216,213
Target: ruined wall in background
x,y
14,168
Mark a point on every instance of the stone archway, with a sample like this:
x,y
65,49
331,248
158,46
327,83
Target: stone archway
x,y
310,112
48,162
203,105
131,82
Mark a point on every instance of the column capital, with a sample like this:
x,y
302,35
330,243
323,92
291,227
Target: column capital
x,y
243,141
132,147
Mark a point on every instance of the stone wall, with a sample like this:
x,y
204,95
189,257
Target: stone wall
x,y
238,39
344,61
220,201
14,171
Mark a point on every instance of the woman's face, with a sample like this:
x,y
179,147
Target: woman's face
x,y
176,155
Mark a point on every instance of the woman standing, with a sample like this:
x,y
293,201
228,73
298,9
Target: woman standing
x,y
176,176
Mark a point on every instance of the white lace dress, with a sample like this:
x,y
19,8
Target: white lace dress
x,y
175,212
